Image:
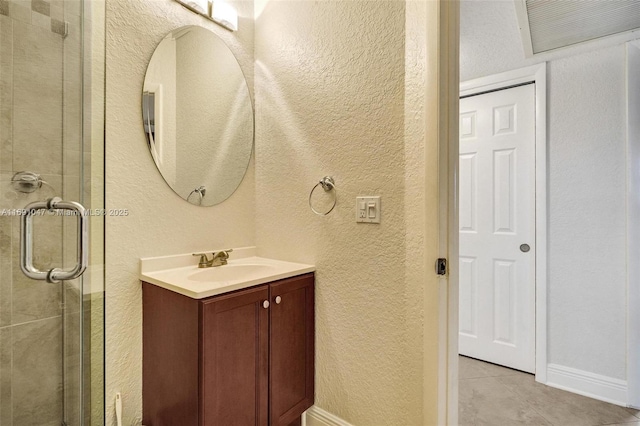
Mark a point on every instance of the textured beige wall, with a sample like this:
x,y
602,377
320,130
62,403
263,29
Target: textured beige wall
x,y
340,91
160,222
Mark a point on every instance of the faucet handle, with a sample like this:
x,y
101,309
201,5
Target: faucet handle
x,y
222,254
203,259
220,257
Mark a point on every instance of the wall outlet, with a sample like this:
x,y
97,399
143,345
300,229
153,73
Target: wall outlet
x,y
368,209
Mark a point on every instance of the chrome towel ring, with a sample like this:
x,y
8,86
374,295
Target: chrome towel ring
x,y
329,185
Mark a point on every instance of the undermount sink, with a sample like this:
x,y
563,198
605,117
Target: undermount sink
x,y
231,272
180,273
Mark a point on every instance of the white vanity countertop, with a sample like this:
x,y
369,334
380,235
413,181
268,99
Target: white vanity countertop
x,y
180,273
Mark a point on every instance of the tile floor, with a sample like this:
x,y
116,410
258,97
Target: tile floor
x,y
491,395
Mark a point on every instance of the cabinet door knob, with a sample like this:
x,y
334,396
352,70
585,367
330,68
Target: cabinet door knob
x,y
278,300
265,304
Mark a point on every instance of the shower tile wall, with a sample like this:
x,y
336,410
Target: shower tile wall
x,y
40,128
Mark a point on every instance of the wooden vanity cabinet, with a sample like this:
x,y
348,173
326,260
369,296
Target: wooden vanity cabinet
x,y
230,359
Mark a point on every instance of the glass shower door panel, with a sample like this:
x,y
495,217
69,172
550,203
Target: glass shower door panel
x,y
47,363
83,149
72,159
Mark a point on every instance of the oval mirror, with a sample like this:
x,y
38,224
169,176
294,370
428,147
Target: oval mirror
x,y
198,116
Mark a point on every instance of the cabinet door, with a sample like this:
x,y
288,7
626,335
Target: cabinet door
x,y
291,358
234,359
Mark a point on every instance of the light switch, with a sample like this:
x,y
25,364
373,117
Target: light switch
x,y
368,209
371,209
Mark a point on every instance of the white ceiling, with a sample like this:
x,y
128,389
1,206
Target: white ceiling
x,y
560,23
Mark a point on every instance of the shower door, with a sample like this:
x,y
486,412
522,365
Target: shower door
x,y
51,145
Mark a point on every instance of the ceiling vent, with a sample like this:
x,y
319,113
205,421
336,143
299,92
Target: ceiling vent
x,y
551,24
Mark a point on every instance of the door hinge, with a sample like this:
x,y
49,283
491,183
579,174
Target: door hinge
x,y
441,266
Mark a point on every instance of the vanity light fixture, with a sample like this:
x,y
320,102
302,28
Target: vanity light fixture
x,y
219,12
225,15
198,6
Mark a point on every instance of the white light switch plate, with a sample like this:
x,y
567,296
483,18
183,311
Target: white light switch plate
x,y
368,209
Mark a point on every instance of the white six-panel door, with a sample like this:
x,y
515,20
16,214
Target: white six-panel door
x,y
497,217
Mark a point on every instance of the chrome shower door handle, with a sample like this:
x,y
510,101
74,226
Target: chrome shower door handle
x,y
26,241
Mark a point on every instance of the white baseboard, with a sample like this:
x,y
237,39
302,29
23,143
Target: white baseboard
x,y
595,386
316,416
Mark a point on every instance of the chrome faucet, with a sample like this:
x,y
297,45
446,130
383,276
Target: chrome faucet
x,y
219,258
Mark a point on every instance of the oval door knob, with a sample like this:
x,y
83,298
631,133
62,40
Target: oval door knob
x,y
278,300
265,304
525,248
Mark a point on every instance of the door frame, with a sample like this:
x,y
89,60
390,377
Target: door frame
x,y
537,74
441,107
